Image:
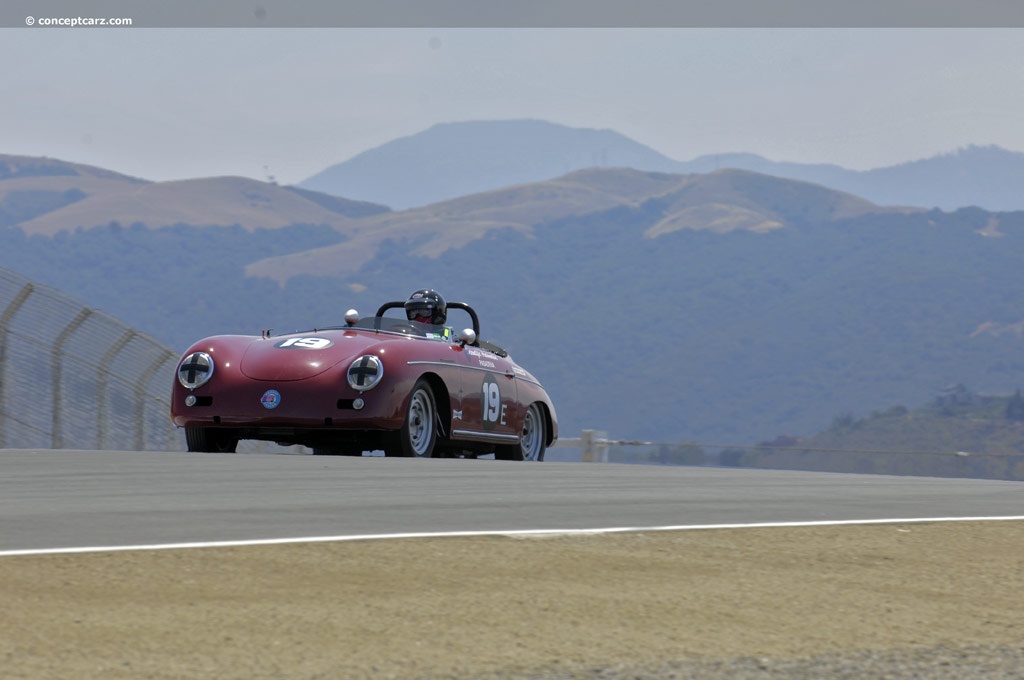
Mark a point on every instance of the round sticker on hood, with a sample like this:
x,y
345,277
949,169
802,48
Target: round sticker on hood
x,y
270,399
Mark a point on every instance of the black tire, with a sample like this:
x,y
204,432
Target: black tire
x,y
210,440
532,440
418,436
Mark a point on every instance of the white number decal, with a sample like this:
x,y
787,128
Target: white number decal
x,y
493,409
306,343
492,401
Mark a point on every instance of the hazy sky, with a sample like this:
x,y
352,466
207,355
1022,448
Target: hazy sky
x,y
178,103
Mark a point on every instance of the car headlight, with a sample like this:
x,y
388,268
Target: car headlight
x,y
365,372
195,370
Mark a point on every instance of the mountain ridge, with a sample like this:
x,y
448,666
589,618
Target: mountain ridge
x,y
452,159
50,197
721,201
444,161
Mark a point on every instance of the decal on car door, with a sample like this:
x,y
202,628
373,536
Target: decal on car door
x,y
493,409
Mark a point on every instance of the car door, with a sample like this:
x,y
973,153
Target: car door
x,y
490,409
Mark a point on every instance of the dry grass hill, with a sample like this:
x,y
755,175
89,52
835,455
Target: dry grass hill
x,y
721,202
64,197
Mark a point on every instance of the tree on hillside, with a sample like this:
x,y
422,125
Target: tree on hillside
x,y
1015,407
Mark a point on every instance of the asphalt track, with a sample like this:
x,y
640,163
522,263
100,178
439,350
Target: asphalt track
x,y
69,499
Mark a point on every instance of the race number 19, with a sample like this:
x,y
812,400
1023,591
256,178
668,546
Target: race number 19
x,y
305,343
493,409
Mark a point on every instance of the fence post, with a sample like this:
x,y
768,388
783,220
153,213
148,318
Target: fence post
x,y
166,358
5,324
103,386
56,370
595,446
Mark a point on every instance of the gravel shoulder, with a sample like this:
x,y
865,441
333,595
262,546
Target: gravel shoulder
x,y
899,600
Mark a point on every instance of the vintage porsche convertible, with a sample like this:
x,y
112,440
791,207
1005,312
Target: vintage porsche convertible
x,y
376,383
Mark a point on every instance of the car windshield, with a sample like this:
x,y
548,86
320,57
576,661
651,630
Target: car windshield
x,y
402,326
397,324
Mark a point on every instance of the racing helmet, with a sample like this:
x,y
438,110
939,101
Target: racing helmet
x,y
428,303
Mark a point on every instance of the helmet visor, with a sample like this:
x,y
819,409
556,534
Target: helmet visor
x,y
419,312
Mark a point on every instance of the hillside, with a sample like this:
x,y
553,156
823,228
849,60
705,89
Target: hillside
x,y
31,187
46,197
719,202
455,159
959,433
980,425
729,307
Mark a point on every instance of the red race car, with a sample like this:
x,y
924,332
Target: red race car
x,y
406,385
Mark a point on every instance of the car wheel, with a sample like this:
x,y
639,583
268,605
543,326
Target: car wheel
x,y
532,439
419,431
210,440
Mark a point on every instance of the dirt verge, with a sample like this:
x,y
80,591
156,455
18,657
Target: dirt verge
x,y
511,607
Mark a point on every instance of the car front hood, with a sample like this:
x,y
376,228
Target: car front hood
x,y
300,356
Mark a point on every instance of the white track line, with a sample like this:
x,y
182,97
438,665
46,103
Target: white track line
x,y
524,533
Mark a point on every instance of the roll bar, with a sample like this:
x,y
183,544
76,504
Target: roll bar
x,y
451,305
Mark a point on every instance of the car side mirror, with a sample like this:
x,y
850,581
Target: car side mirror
x,y
351,316
467,337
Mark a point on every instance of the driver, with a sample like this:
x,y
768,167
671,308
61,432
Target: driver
x,y
427,306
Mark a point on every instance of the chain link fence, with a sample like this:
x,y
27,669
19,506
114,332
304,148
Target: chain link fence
x,y
75,377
